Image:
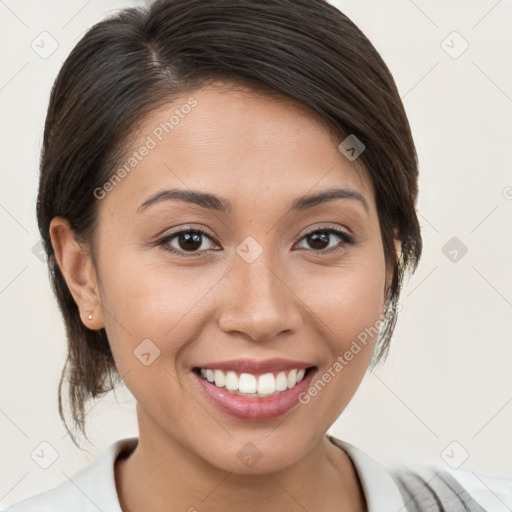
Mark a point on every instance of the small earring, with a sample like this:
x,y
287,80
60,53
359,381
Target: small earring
x,y
90,316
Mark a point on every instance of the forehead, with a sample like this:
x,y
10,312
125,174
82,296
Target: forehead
x,y
234,142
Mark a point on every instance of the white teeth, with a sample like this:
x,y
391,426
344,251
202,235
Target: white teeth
x,y
231,381
292,378
246,383
220,378
281,381
266,384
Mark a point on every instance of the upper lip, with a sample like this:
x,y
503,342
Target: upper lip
x,y
256,367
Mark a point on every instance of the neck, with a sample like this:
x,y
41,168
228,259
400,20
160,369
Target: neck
x,y
174,478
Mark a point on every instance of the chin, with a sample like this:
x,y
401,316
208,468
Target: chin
x,y
255,454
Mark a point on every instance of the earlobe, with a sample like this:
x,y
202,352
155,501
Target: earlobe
x,y
75,263
398,254
398,243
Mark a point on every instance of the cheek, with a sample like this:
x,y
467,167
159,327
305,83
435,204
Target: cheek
x,y
156,303
350,299
150,320
348,305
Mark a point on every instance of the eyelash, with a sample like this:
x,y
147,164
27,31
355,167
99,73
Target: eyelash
x,y
164,242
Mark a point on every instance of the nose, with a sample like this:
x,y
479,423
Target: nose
x,y
259,301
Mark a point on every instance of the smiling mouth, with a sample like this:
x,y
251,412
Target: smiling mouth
x,y
251,385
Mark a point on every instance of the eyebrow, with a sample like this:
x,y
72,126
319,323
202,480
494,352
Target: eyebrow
x,y
219,204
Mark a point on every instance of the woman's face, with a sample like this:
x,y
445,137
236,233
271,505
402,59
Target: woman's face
x,y
267,283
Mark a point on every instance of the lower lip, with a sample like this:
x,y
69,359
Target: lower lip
x,y
254,408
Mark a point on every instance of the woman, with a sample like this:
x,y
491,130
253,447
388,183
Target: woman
x,y
227,202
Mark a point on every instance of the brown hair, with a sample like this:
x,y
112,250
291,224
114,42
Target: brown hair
x,y
141,58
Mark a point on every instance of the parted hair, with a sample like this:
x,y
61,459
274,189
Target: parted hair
x,y
139,59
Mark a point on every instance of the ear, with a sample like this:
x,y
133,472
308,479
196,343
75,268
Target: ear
x,y
390,269
75,263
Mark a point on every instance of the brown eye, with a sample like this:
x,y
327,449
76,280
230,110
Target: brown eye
x,y
321,240
318,240
189,241
186,241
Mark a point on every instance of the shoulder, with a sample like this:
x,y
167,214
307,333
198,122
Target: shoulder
x,y
425,486
90,489
57,499
431,486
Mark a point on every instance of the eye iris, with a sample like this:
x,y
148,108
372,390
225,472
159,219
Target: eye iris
x,y
318,239
189,241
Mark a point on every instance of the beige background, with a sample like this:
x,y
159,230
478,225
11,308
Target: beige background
x,y
448,377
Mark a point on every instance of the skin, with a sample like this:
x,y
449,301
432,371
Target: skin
x,y
294,301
